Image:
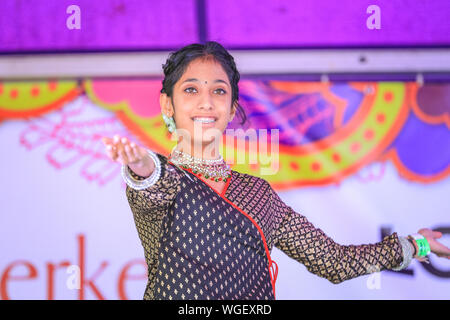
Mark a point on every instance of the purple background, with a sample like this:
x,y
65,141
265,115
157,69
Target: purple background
x,y
105,24
329,23
40,25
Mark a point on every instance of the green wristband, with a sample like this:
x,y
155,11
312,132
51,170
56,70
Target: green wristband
x,y
422,245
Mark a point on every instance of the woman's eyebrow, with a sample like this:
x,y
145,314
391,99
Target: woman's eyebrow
x,y
196,80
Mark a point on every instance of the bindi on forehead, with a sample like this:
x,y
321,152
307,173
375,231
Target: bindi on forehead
x,y
205,81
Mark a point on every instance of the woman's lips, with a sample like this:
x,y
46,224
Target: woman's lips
x,y
204,124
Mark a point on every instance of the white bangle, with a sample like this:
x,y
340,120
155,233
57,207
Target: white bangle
x,y
417,236
146,183
408,250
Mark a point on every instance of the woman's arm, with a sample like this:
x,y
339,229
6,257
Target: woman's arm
x,y
302,241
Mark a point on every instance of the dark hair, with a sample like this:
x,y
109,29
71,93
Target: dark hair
x,y
178,61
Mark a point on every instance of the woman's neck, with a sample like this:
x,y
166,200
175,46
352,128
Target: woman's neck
x,y
201,151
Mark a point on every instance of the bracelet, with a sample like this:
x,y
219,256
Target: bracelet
x,y
422,244
412,243
407,249
147,182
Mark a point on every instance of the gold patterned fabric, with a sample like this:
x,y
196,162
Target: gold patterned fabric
x,y
199,244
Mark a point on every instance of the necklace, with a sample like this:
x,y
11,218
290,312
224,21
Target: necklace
x,y
215,169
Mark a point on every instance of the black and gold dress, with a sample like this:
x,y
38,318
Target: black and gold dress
x,y
202,244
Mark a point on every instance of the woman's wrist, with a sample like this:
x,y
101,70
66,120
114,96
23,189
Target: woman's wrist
x,y
407,253
414,244
146,182
144,167
421,245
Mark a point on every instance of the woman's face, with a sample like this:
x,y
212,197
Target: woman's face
x,y
203,91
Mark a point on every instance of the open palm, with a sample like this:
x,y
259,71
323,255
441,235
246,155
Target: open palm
x,y
436,247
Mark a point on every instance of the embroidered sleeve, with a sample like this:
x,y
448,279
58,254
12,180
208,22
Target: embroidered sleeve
x,y
302,241
153,200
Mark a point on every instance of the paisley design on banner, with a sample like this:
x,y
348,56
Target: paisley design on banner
x,y
327,131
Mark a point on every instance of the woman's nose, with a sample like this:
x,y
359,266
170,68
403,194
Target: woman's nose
x,y
206,102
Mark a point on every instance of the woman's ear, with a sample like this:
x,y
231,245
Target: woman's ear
x,y
165,104
233,111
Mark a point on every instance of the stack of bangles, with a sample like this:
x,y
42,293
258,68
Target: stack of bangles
x,y
145,183
409,249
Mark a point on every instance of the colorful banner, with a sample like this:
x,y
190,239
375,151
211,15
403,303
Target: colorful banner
x,y
359,159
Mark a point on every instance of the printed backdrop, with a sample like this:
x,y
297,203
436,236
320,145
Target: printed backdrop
x,y
359,159
152,25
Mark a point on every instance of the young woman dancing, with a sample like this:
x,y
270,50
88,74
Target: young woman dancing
x,y
207,231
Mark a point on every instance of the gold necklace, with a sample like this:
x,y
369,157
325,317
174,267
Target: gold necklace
x,y
214,169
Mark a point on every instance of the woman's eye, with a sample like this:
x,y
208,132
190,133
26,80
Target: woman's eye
x,y
189,90
221,91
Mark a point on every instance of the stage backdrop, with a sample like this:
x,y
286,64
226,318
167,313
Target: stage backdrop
x,y
359,160
154,25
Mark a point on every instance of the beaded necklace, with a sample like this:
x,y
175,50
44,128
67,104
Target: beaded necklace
x,y
215,169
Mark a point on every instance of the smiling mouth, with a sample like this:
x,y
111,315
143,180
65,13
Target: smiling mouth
x,y
204,120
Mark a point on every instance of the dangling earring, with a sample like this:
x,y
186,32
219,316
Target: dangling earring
x,y
170,123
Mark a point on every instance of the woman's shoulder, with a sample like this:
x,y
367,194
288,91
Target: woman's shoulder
x,y
251,179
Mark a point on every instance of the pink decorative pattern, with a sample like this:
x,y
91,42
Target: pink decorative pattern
x,y
71,139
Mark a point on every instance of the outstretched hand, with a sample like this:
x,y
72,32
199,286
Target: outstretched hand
x,y
436,247
122,150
